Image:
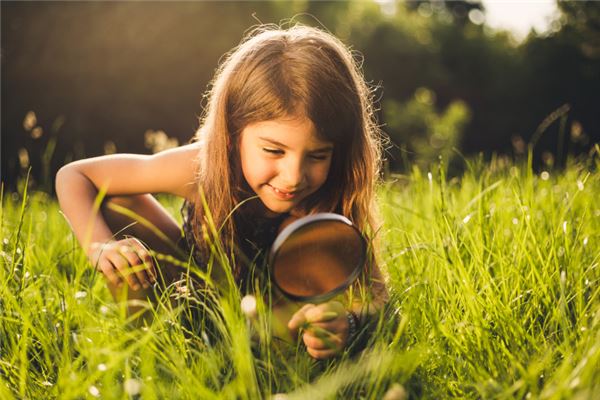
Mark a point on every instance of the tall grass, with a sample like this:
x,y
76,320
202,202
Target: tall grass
x,y
495,294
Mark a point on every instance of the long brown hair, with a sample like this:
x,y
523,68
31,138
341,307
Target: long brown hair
x,y
276,73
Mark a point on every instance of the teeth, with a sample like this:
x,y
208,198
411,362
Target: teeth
x,y
281,191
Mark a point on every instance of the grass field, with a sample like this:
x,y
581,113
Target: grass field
x,y
495,290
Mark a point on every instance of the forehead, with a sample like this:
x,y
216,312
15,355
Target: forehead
x,y
291,132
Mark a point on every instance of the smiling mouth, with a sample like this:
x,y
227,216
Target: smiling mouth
x,y
283,194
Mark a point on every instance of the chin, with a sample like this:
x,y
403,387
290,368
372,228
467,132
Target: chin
x,y
279,208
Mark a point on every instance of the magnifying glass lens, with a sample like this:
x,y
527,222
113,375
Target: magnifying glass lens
x,y
318,258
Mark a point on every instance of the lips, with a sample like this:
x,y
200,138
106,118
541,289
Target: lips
x,y
282,194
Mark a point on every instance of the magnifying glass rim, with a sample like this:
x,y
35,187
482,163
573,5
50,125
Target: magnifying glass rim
x,y
305,221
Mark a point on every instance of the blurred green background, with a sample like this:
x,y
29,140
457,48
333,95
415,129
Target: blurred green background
x,y
81,79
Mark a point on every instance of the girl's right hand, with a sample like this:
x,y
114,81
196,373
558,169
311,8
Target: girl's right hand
x,y
125,260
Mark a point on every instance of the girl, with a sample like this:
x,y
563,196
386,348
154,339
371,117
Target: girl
x,y
289,130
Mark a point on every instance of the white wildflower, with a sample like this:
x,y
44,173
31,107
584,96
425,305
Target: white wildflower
x,y
80,294
467,218
94,391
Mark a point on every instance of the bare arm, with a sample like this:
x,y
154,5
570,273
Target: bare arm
x,y
78,183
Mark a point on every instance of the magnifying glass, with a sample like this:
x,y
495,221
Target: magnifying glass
x,y
316,257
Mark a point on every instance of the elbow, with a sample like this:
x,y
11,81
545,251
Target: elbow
x,y
61,179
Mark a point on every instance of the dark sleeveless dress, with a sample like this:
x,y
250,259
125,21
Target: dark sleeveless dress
x,y
256,234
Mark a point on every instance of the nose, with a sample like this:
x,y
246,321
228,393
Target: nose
x,y
292,174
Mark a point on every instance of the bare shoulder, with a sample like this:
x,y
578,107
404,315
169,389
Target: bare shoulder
x,y
172,171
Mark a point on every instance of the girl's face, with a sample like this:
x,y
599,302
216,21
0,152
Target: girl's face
x,y
284,161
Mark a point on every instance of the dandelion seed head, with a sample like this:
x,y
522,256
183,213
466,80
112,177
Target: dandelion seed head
x,y
545,175
132,387
93,390
19,251
248,306
515,221
23,158
37,132
29,121
104,309
102,367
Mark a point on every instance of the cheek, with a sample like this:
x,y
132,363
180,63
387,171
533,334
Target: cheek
x,y
256,170
319,174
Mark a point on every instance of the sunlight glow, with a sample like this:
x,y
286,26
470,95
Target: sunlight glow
x,y
519,17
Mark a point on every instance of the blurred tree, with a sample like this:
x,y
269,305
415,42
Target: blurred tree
x,y
584,18
425,133
97,76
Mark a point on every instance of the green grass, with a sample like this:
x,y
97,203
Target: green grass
x,y
495,294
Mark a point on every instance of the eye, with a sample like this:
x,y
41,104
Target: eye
x,y
318,157
272,151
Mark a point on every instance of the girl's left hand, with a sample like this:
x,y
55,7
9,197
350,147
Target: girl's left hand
x,y
325,328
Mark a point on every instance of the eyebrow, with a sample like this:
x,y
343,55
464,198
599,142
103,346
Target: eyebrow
x,y
324,149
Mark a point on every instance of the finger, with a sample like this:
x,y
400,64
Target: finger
x,y
137,266
108,270
299,318
324,342
124,269
144,255
320,314
321,354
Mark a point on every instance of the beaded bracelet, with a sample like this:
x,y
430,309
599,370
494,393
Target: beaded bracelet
x,y
353,323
